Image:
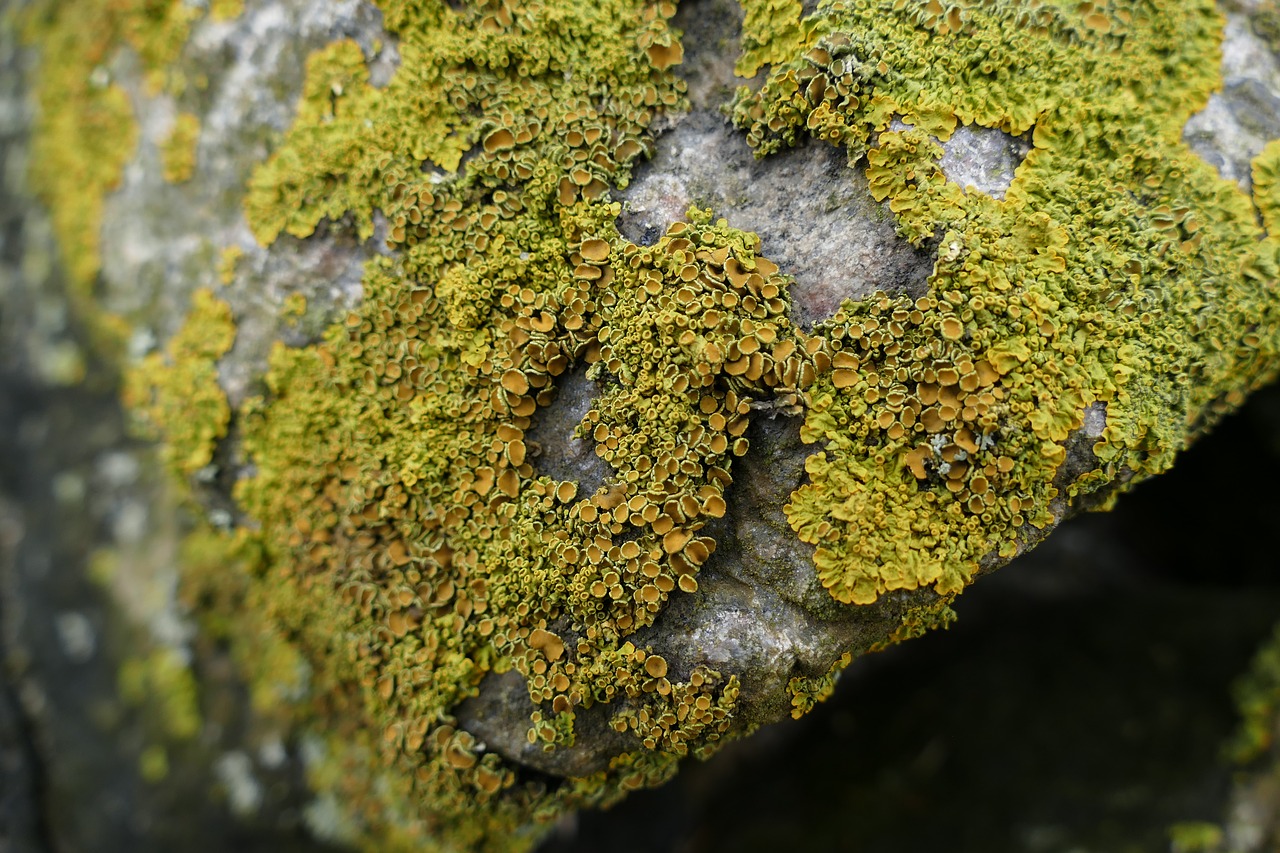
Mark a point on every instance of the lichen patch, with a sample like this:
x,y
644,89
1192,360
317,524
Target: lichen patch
x,y
408,545
943,421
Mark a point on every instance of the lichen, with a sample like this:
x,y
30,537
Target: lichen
x,y
1196,837
402,513
807,692
176,395
226,10
771,32
402,543
178,151
228,262
1257,697
1266,187
165,677
1118,270
85,130
161,686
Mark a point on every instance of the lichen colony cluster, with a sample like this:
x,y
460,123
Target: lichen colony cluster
x,y
403,543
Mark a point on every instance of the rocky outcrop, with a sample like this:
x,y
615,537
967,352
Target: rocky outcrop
x,y
379,546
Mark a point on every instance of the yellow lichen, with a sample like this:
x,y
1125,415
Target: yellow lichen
x,y
807,692
176,393
228,261
178,151
771,32
941,438
85,129
226,10
163,675
1266,187
403,544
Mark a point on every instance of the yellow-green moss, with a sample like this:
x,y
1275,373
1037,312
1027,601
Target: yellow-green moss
x,y
176,393
178,151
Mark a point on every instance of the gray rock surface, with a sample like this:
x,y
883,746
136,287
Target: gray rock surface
x,y
1238,121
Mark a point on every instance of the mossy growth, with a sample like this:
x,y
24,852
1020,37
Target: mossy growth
x,y
178,151
1119,271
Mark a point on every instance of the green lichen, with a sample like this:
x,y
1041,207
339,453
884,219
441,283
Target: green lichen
x,y
85,130
176,394
1266,187
178,151
226,10
1118,271
403,543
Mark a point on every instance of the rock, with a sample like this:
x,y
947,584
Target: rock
x,y
504,509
